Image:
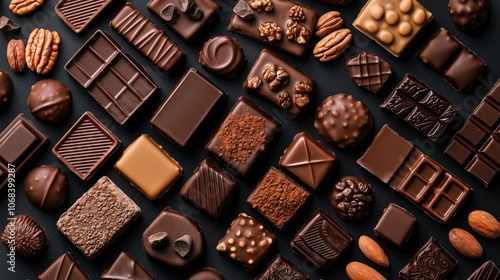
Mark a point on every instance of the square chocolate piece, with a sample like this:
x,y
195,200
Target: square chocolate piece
x,y
432,261
86,146
281,268
187,108
20,142
369,71
126,267
308,160
256,129
291,94
393,24
281,14
247,242
487,271
278,198
148,167
395,225
105,207
78,15
187,25
65,267
210,188
321,240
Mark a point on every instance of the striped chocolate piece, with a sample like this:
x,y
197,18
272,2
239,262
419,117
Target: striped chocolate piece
x,y
148,39
86,146
65,267
487,271
78,15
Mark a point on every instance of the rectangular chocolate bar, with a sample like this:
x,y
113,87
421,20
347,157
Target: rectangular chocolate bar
x,y
421,107
148,39
427,184
187,26
487,271
292,94
20,141
78,15
281,15
476,146
459,66
111,76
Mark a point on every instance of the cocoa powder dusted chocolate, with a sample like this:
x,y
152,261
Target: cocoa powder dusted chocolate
x,y
30,238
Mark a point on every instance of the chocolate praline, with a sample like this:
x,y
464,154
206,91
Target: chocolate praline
x,y
47,187
206,273
352,198
222,56
470,15
25,236
50,101
343,121
6,90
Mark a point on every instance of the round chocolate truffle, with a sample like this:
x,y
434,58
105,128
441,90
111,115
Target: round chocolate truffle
x,y
206,273
30,238
6,90
470,15
50,101
222,56
47,187
343,121
352,198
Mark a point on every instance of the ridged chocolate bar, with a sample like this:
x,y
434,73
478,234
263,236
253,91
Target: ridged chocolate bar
x,y
78,14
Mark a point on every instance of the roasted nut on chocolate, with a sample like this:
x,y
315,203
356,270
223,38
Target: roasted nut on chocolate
x,y
296,32
42,50
186,5
301,100
169,13
158,239
183,245
16,55
328,23
333,45
196,13
22,7
302,88
252,83
284,100
243,10
30,238
275,76
259,5
296,13
269,72
271,31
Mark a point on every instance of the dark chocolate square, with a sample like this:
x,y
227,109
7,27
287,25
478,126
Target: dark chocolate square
x,y
278,198
321,240
432,261
210,188
463,73
308,160
395,225
187,108
280,269
440,52
240,151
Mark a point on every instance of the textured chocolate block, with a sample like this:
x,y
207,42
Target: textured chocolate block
x,y
78,14
395,225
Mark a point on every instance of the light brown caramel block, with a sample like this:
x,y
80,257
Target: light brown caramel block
x,y
393,24
148,167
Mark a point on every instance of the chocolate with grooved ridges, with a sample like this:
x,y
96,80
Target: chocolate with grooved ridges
x,y
280,14
421,107
241,150
176,225
459,66
187,108
308,160
126,267
47,187
111,76
476,146
487,271
432,261
78,15
105,207
148,39
65,267
210,188
86,146
369,71
188,29
281,268
395,161
25,236
20,141
222,56
321,240
206,273
291,93
395,225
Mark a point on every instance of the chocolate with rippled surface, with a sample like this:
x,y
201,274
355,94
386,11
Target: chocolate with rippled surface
x,y
487,271
64,268
222,56
78,15
30,238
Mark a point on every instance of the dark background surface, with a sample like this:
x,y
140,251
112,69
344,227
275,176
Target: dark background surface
x,y
331,78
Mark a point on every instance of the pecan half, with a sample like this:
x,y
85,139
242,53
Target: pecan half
x,y
22,7
271,31
333,45
328,23
16,55
252,83
42,50
284,100
297,13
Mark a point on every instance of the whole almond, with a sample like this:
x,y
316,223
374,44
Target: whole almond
x,y
333,45
373,251
465,243
328,23
16,55
360,271
484,223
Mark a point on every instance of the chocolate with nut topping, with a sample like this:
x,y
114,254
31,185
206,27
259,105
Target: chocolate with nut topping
x,y
352,198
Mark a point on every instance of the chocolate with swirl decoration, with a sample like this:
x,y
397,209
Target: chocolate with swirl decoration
x,y
30,238
222,56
